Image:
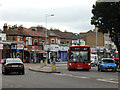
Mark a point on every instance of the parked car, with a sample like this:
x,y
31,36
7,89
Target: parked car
x,y
12,65
107,64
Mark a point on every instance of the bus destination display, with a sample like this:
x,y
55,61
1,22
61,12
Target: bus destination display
x,y
79,48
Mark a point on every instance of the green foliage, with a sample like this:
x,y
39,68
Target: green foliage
x,y
106,16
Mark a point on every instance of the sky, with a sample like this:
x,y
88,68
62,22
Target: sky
x,y
70,15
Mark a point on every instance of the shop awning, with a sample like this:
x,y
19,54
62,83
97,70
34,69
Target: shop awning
x,y
40,52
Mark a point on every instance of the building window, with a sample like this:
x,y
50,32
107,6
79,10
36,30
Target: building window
x,y
58,41
18,38
67,42
35,41
52,41
14,39
43,41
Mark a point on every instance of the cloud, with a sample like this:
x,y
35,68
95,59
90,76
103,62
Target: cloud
x,y
69,15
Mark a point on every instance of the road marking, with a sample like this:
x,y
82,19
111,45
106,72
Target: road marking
x,y
71,75
104,80
83,77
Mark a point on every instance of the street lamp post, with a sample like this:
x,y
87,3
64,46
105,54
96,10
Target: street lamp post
x,y
46,31
96,36
46,26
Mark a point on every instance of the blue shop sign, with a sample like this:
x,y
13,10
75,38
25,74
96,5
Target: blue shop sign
x,y
17,50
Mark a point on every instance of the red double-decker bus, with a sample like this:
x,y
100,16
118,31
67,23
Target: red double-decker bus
x,y
79,57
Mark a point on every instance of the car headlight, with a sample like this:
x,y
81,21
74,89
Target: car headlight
x,y
103,65
114,65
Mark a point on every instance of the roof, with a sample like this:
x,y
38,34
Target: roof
x,y
24,32
65,35
51,33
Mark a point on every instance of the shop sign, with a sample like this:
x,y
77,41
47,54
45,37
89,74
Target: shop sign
x,y
19,46
7,47
1,46
34,47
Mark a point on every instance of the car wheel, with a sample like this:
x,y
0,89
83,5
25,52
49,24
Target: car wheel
x,y
2,72
5,72
114,70
101,70
23,72
87,69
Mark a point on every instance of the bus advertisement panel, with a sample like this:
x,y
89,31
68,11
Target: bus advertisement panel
x,y
79,57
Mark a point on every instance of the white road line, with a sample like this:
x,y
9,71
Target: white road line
x,y
71,76
83,77
104,80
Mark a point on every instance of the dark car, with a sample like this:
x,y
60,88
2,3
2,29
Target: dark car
x,y
12,65
107,64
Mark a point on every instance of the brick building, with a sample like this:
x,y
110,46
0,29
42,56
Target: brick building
x,y
90,38
31,38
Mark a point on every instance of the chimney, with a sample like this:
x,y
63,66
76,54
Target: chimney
x,y
20,27
5,27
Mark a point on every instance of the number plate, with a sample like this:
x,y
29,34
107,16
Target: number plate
x,y
14,65
79,68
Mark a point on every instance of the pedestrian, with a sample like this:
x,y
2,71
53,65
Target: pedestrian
x,y
52,58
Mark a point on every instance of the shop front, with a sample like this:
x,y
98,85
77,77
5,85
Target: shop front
x,y
33,54
63,53
12,49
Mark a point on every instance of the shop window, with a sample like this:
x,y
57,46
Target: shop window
x,y
35,41
14,39
52,41
67,42
18,38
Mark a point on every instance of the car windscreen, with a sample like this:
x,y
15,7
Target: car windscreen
x,y
77,56
108,61
14,61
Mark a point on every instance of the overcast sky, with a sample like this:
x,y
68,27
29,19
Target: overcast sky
x,y
71,15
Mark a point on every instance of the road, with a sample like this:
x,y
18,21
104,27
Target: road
x,y
65,79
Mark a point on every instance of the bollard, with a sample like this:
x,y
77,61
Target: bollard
x,y
45,62
53,66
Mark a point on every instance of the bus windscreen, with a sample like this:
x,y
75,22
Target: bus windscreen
x,y
76,56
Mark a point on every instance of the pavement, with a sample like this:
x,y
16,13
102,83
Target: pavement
x,y
46,68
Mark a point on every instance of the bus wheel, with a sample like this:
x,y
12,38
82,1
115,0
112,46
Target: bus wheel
x,y
87,70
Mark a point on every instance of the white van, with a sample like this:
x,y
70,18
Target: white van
x,y
94,59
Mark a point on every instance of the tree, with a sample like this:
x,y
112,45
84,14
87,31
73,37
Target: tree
x,y
106,16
